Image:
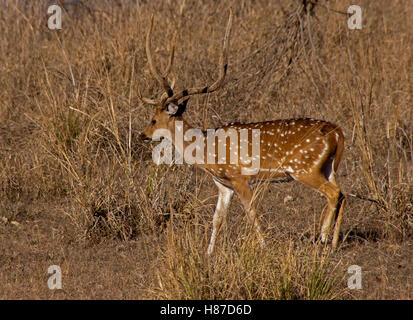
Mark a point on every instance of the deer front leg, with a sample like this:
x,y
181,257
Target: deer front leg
x,y
224,199
246,197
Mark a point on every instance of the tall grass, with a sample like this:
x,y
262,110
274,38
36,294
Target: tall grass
x,y
70,119
243,270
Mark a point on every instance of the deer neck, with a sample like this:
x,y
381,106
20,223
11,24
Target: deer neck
x,y
181,129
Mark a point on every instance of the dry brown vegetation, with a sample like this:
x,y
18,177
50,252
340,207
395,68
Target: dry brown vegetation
x,y
80,190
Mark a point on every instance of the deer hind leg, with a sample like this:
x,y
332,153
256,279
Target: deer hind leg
x,y
334,213
338,212
337,226
246,197
335,203
224,200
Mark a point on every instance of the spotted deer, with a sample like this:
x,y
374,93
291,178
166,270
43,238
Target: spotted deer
x,y
305,150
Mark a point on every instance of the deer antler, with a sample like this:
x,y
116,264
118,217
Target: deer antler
x,y
171,58
169,96
161,79
223,65
153,101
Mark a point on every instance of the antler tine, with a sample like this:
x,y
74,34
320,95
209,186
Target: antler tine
x,y
146,100
223,61
153,101
223,65
171,58
162,80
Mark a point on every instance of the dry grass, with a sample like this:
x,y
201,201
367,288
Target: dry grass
x,y
79,189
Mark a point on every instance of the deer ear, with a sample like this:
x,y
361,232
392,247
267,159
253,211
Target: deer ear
x,y
176,110
181,109
172,109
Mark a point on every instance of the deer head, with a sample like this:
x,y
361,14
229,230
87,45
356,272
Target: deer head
x,y
171,106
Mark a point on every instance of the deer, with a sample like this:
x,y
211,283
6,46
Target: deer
x,y
303,149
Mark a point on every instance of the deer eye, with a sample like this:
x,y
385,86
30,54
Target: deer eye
x,y
153,121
